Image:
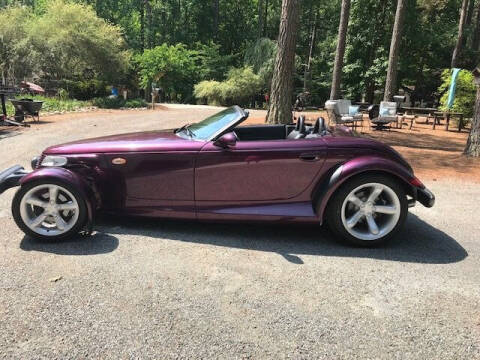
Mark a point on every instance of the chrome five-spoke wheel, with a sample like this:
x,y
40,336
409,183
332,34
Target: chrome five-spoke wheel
x,y
49,210
368,209
371,211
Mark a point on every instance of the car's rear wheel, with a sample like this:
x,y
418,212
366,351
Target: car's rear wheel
x,y
50,210
368,210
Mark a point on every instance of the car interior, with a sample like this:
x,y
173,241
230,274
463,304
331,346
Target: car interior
x,y
300,130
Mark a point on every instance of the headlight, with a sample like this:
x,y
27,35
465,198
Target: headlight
x,y
54,161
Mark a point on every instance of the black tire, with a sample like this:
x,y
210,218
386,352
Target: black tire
x,y
77,227
334,209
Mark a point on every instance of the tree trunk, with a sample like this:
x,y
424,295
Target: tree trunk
x,y
392,72
308,69
260,19
471,9
280,110
149,37
216,9
461,30
142,25
476,31
340,53
265,19
473,142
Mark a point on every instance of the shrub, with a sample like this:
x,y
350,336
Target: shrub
x,y
86,89
62,94
209,90
135,103
241,85
118,103
464,96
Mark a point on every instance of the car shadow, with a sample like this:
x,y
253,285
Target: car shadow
x,y
99,243
419,242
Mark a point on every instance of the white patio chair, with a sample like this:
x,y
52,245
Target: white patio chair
x,y
342,112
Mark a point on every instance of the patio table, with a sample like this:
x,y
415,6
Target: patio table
x,y
438,115
419,110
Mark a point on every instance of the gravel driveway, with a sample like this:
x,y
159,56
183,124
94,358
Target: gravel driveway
x,y
163,289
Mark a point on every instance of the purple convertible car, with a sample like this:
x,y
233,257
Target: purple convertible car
x,y
219,170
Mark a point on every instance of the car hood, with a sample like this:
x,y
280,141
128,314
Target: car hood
x,y
150,141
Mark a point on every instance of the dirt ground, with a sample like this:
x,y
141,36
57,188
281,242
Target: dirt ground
x,y
433,154
158,289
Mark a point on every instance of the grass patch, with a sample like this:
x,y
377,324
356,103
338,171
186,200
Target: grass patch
x,y
51,104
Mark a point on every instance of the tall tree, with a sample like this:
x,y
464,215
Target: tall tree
x,y
476,31
392,72
461,34
471,9
307,76
216,15
473,142
260,32
280,110
339,55
142,24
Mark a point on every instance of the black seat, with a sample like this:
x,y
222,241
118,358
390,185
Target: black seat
x,y
300,130
319,129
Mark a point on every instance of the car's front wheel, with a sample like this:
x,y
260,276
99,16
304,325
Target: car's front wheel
x,y
368,210
51,210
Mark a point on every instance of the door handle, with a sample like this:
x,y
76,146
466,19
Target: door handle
x,y
310,157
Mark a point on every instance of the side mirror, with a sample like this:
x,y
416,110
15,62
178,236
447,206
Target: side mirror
x,y
226,141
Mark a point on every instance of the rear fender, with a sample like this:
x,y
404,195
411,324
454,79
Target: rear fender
x,y
69,177
357,166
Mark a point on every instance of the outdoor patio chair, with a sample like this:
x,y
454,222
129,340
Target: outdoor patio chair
x,y
386,115
342,112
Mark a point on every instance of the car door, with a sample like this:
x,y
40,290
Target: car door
x,y
154,184
257,171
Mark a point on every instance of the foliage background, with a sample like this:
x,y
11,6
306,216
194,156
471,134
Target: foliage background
x,y
84,45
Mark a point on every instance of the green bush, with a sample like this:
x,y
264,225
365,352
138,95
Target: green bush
x,y
240,87
464,96
86,89
118,103
209,90
135,103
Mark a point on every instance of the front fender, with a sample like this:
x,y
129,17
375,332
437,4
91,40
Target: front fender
x,y
358,166
69,177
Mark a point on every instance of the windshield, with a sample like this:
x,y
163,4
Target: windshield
x,y
205,129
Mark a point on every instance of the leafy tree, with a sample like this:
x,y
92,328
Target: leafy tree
x,y
464,94
15,59
173,68
212,64
69,40
261,56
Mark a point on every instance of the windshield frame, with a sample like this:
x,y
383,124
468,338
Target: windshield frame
x,y
241,115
